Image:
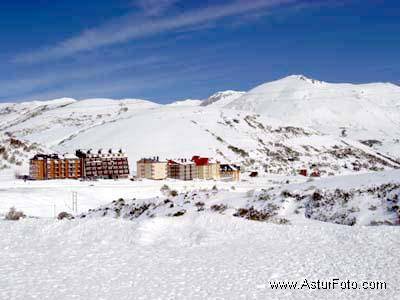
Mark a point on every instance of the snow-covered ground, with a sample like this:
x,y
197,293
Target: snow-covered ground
x,y
290,197
209,239
191,257
45,198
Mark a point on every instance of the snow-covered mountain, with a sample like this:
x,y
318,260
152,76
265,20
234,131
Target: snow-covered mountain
x,y
277,127
181,236
221,99
187,102
367,112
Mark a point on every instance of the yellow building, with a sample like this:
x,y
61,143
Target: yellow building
x,y
182,169
151,168
230,172
207,168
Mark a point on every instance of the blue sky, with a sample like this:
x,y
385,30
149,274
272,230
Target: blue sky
x,y
164,50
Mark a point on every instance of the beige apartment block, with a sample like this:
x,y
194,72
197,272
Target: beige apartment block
x,y
151,168
182,169
207,168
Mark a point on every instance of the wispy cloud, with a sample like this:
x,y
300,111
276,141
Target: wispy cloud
x,y
161,77
155,7
11,88
134,26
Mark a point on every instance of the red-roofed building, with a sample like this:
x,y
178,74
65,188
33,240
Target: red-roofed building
x,y
206,168
200,161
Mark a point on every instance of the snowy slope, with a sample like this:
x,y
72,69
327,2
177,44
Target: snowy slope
x,y
369,199
15,113
58,123
252,128
146,129
191,257
221,99
367,111
187,102
200,244
15,154
256,143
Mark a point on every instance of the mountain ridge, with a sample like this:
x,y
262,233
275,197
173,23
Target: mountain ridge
x,y
276,127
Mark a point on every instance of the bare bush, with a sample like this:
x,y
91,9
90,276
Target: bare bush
x,y
14,215
218,207
250,193
165,190
64,215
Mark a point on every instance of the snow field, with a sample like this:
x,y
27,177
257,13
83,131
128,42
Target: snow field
x,y
190,257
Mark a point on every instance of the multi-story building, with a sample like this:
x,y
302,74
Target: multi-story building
x,y
53,166
206,168
103,164
151,168
230,172
182,169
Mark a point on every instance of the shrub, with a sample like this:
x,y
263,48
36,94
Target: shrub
x,y
286,194
14,215
12,159
316,196
218,207
250,193
64,215
179,213
281,221
239,151
173,193
253,214
199,204
264,197
165,190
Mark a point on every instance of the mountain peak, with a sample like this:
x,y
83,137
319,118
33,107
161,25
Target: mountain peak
x,y
302,78
222,97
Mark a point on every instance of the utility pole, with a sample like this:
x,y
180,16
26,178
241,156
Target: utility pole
x,y
74,202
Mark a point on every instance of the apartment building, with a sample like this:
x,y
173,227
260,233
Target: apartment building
x,y
206,168
54,166
182,169
103,164
230,172
152,168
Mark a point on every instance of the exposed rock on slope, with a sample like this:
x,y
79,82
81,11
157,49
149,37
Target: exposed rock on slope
x,y
359,111
15,153
224,127
221,99
368,205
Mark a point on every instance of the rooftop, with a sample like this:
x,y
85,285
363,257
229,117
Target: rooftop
x,y
153,160
181,161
